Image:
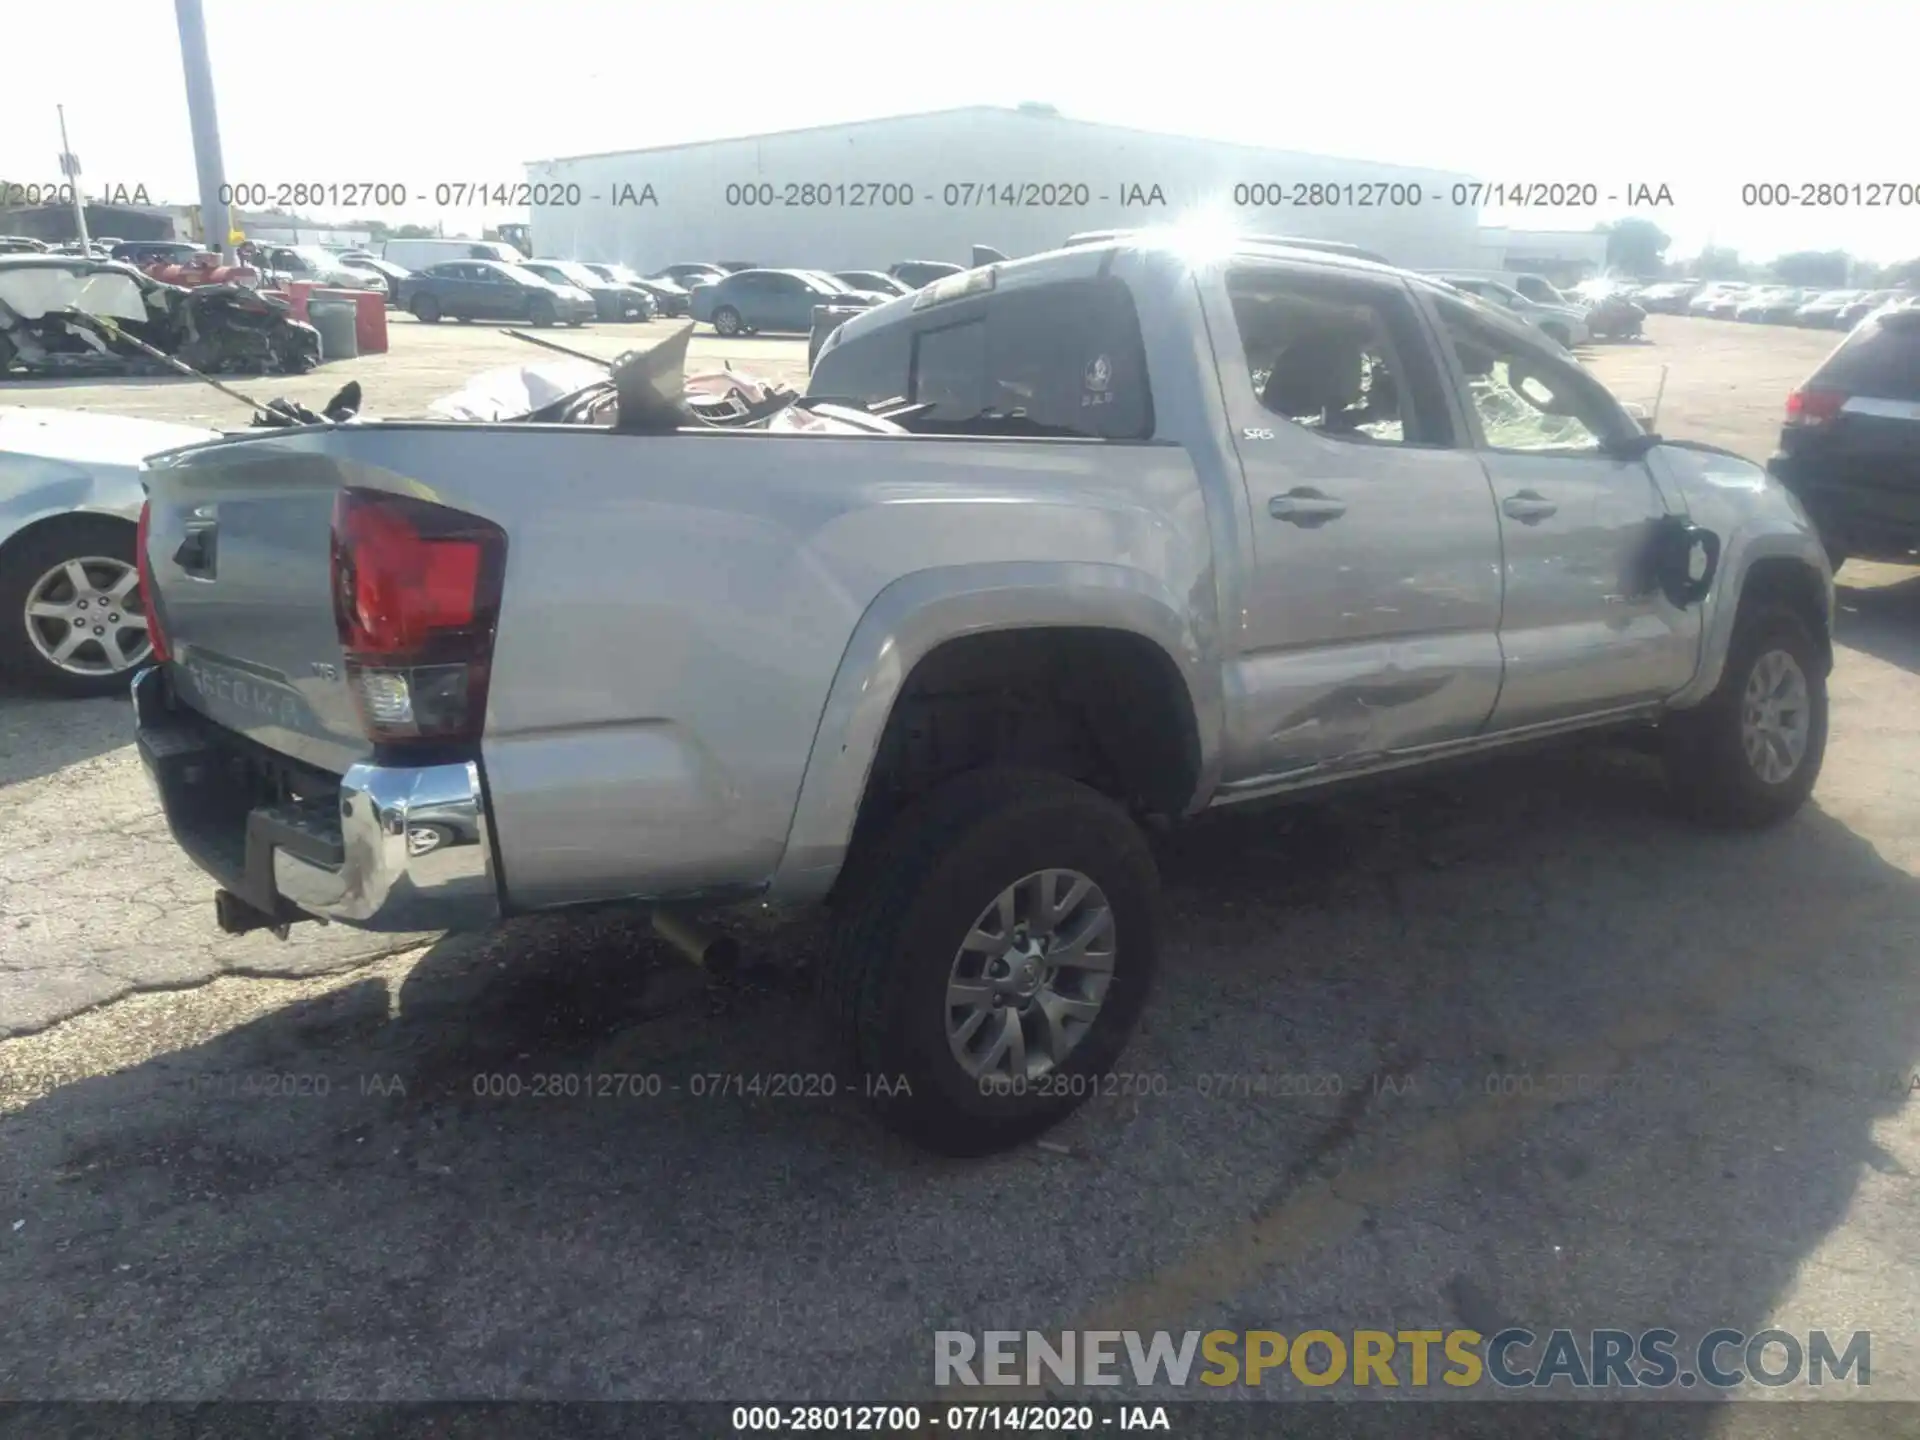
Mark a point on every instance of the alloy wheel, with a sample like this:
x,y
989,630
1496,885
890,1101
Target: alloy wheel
x,y
84,616
1776,717
1030,977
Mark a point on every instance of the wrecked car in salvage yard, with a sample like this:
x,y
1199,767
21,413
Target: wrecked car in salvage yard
x,y
1141,549
65,315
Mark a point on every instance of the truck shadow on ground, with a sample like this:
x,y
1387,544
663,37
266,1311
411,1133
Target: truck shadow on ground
x,y
375,1193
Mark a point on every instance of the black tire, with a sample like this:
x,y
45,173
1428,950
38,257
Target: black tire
x,y
915,895
74,537
727,321
426,309
1836,556
540,311
1706,762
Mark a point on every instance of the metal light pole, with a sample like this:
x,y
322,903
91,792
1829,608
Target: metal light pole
x,y
215,223
70,167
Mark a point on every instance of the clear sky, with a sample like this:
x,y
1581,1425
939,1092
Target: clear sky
x,y
1699,96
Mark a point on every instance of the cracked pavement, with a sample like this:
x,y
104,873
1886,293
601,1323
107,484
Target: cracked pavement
x,y
96,901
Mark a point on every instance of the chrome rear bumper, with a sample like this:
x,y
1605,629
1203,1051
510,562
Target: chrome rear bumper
x,y
398,848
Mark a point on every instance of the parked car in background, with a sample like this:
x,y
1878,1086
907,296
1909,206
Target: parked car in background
x,y
1616,316
611,300
1668,297
780,300
419,254
321,267
382,274
840,287
1771,305
1536,288
1822,310
71,616
1850,447
21,245
1565,325
492,290
1720,299
875,282
1854,311
670,298
917,274
155,252
690,275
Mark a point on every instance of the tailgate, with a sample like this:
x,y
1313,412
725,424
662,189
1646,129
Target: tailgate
x,y
239,547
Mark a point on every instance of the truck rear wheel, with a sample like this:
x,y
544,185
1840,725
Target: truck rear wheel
x,y
992,959
1749,754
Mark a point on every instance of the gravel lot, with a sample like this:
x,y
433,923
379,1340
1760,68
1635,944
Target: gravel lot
x,y
172,1227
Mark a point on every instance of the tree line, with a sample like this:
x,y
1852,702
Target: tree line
x,y
1639,247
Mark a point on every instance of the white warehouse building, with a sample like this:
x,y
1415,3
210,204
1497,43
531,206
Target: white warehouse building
x,y
931,186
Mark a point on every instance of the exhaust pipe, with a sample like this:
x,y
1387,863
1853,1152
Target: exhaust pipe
x,y
705,947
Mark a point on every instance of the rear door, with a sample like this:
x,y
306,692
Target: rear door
x,y
1582,629
1371,618
789,302
497,294
456,289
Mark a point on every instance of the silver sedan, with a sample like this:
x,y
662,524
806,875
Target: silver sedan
x,y
71,618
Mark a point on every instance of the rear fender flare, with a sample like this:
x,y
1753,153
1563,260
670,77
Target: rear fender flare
x,y
917,613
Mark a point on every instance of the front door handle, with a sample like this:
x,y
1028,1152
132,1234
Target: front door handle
x,y
1306,507
1528,507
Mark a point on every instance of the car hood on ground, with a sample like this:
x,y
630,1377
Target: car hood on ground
x,y
87,437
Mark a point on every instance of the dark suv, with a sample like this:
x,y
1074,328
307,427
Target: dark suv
x,y
1851,446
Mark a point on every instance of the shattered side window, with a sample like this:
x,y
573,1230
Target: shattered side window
x,y
1527,398
31,291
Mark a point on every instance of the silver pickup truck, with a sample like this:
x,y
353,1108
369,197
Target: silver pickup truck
x,y
1160,531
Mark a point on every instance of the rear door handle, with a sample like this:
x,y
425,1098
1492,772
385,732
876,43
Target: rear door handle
x,y
1528,507
1306,507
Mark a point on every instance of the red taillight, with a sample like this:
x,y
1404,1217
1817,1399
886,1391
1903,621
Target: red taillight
x,y
1814,407
416,594
145,571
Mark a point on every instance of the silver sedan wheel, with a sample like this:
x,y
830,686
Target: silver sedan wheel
x,y
1775,717
1030,977
84,616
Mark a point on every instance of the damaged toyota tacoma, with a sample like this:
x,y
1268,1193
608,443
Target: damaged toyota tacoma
x,y
1144,532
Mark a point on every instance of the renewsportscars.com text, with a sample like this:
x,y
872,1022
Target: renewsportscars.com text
x,y
1723,1359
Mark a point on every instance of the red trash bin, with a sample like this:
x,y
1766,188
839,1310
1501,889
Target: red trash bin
x,y
370,321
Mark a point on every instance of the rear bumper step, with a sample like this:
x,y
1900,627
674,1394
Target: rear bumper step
x,y
394,848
